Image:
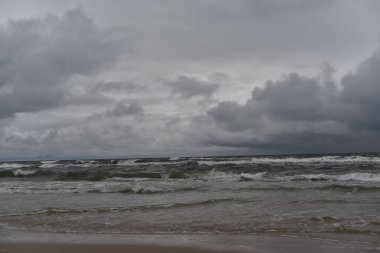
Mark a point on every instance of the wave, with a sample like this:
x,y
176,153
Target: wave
x,y
20,172
57,211
130,190
290,160
351,188
223,162
145,162
14,165
138,189
322,159
253,177
364,177
48,162
49,165
16,173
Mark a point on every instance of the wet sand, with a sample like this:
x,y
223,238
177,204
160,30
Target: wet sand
x,y
96,248
14,241
119,248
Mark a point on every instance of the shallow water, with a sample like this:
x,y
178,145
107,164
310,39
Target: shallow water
x,y
332,194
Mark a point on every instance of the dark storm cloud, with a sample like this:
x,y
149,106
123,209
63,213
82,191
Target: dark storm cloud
x,y
188,87
299,113
39,56
361,93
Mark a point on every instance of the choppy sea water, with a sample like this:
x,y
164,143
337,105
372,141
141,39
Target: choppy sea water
x,y
298,194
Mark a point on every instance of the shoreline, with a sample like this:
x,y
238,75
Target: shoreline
x,y
13,241
100,248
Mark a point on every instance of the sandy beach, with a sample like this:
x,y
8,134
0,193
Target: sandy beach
x,y
119,248
84,248
12,241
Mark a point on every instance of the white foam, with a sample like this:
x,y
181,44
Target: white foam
x,y
13,165
256,176
48,162
224,162
366,177
20,172
322,159
48,165
133,163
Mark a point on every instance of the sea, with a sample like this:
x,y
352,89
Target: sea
x,y
303,195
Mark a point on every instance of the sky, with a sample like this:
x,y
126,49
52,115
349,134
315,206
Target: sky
x,y
139,78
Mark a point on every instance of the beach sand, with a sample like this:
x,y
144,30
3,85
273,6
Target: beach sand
x,y
35,242
98,248
118,248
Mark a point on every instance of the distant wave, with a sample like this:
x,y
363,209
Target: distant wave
x,y
220,162
322,159
49,162
14,165
302,160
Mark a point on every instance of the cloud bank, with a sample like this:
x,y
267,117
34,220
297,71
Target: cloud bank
x,y
299,113
132,79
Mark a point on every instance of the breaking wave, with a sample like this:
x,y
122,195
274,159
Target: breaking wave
x,y
248,177
14,165
20,172
365,177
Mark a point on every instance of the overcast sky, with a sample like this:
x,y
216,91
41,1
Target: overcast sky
x,y
127,78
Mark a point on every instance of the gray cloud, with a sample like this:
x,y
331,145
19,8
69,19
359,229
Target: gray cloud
x,y
72,84
299,114
121,110
188,87
360,95
116,86
38,57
